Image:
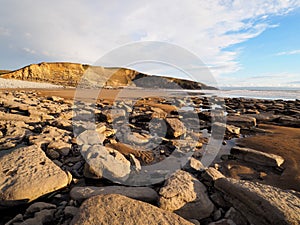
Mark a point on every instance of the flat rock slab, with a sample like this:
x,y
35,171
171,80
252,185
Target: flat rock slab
x,y
261,204
186,196
144,194
241,121
118,209
257,157
26,174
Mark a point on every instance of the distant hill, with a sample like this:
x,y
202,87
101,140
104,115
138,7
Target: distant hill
x,y
71,74
4,71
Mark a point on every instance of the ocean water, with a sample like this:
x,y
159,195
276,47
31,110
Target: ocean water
x,y
256,92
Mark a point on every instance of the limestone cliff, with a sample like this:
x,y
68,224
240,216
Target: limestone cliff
x,y
72,74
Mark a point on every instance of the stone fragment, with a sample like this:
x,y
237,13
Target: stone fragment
x,y
108,163
186,196
71,211
175,127
118,209
90,137
26,174
257,157
242,121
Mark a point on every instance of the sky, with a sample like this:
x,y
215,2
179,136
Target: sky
x,y
241,42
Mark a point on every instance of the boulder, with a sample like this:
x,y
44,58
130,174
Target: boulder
x,y
186,196
175,127
144,194
107,162
118,209
257,157
90,137
26,174
261,204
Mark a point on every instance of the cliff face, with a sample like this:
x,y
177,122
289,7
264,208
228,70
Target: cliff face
x,y
71,74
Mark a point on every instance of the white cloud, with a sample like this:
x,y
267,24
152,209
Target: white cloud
x,y
292,52
28,50
284,79
82,31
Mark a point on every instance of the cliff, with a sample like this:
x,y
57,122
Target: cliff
x,y
71,74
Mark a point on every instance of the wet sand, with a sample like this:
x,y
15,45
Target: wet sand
x,y
284,141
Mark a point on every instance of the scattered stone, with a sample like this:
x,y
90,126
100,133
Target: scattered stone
x,y
107,162
38,206
175,127
118,209
242,121
42,217
194,165
186,196
211,174
236,216
90,137
109,115
257,157
71,211
144,194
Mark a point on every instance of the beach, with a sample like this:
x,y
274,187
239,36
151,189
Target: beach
x,y
151,144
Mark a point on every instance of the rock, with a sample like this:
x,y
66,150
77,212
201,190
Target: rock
x,y
211,174
90,137
217,215
42,217
109,115
125,149
257,157
193,165
13,137
135,163
223,222
107,162
16,220
136,138
229,129
118,209
261,204
288,121
144,194
219,200
48,135
242,121
26,174
236,216
71,211
52,154
38,206
186,196
195,222
175,127
61,147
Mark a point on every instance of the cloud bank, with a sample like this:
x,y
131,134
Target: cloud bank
x,y
82,31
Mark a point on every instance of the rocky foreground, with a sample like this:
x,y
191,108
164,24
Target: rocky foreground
x,y
66,162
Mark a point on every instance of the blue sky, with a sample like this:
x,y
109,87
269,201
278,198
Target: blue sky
x,y
242,42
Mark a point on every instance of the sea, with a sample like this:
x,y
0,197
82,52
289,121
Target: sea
x,y
270,93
